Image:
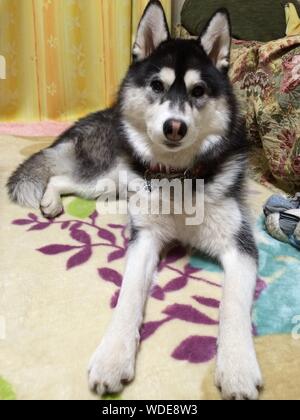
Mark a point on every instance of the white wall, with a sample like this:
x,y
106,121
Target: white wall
x,y
176,9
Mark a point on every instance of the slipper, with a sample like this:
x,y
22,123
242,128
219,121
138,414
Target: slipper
x,y
283,219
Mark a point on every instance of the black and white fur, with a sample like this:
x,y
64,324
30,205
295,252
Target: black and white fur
x,y
184,80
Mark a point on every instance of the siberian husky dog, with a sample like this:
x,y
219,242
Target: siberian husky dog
x,y
175,111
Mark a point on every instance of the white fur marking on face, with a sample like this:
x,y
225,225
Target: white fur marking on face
x,y
167,76
191,78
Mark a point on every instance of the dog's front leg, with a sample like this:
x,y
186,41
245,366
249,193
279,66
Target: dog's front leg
x,y
238,374
113,363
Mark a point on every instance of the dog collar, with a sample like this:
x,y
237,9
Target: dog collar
x,y
160,171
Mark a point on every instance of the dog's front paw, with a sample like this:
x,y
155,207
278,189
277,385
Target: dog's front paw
x,y
51,206
112,366
238,376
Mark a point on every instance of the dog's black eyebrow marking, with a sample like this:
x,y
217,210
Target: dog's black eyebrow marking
x,y
155,67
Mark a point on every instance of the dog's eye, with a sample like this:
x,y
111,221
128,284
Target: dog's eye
x,y
157,86
198,91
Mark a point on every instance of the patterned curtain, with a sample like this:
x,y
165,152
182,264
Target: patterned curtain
x,y
64,58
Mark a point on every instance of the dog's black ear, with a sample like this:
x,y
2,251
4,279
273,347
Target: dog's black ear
x,y
216,39
152,31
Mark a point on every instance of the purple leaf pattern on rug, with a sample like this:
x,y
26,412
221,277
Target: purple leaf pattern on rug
x,y
114,299
149,328
38,226
107,235
108,274
211,303
176,284
116,255
65,225
196,349
189,314
80,236
78,233
157,292
56,249
88,235
261,285
80,258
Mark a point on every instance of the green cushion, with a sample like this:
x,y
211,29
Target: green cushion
x,y
259,20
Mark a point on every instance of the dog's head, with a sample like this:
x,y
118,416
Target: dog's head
x,y
177,91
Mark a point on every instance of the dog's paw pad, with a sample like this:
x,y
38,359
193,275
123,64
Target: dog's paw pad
x,y
51,209
239,380
109,371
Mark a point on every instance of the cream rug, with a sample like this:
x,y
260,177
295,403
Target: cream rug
x,y
60,281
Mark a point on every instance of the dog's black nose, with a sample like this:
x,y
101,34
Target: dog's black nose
x,y
175,130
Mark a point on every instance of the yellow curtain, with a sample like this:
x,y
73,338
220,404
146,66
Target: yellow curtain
x,y
64,58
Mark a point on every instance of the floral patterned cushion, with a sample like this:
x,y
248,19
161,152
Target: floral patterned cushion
x,y
266,79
